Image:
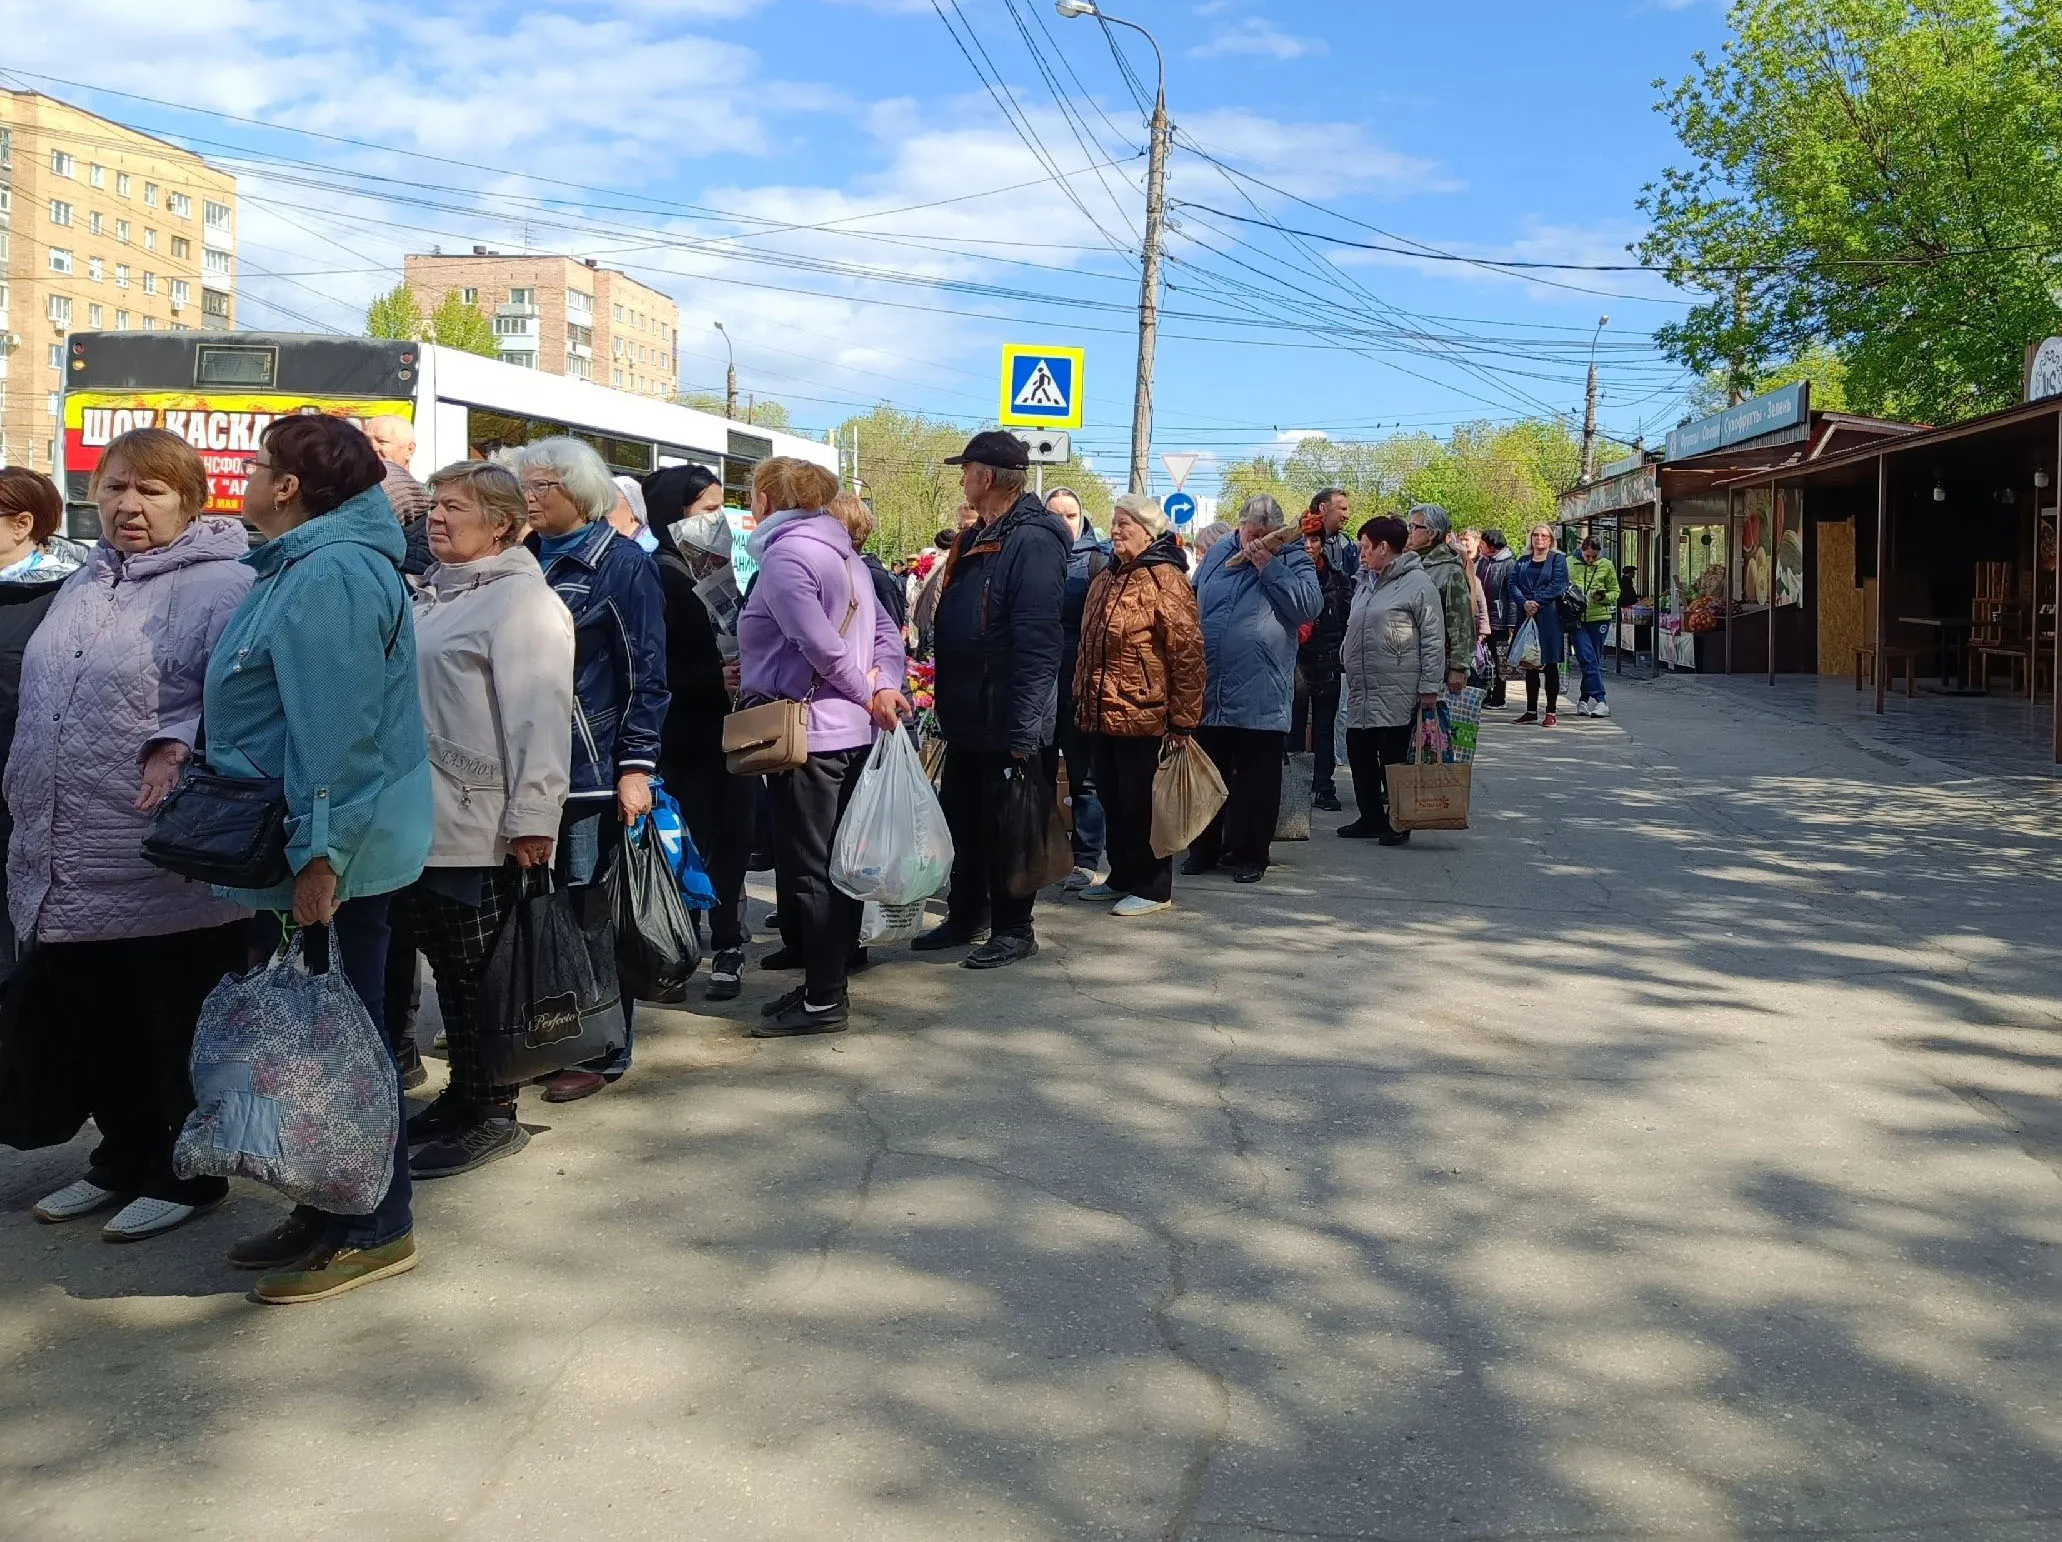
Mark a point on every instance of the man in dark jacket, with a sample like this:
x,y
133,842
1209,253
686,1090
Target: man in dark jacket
x,y
1493,567
999,645
1091,554
1318,674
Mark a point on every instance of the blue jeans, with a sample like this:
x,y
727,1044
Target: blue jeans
x,y
1589,652
1091,829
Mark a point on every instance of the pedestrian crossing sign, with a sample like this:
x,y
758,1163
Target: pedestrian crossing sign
x,y
1041,387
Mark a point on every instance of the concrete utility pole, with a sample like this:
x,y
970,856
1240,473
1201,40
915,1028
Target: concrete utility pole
x,y
1149,280
1589,409
729,376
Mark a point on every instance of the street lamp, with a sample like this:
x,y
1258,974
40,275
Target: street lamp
x,y
729,376
1589,410
1149,282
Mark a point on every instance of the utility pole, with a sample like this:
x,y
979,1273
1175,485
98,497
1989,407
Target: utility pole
x,y
1589,409
1149,279
729,376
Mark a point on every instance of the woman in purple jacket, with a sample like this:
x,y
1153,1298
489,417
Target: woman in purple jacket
x,y
812,631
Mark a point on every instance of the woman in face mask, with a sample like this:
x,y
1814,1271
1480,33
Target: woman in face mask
x,y
684,505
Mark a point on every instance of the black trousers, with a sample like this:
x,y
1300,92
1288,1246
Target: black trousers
x,y
970,791
1124,771
457,938
404,985
1314,725
817,919
1250,761
1553,687
1499,649
1369,751
719,809
129,1005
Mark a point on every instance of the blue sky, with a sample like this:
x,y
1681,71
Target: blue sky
x,y
740,154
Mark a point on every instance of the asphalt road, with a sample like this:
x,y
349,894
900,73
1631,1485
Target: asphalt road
x,y
1672,1155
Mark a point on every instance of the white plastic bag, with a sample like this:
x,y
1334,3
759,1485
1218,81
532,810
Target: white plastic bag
x,y
1525,646
892,845
880,923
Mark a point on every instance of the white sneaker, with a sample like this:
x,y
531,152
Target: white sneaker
x,y
142,1218
1600,709
73,1201
1582,707
1078,880
1139,905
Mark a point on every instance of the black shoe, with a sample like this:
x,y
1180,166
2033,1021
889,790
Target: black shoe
x,y
413,1074
1196,867
1249,875
1395,838
781,958
1328,801
998,951
1359,830
783,1002
802,1018
449,1114
725,975
284,1244
772,921
476,1146
948,935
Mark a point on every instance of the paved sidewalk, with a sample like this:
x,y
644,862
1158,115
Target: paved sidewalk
x,y
1673,1155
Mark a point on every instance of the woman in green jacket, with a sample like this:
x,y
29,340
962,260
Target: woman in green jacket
x,y
1596,580
313,684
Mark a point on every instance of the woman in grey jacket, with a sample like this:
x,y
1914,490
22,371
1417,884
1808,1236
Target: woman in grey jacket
x,y
1394,660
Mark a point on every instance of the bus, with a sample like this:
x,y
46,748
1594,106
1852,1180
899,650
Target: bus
x,y
219,389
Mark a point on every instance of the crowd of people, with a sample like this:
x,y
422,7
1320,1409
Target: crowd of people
x,y
457,687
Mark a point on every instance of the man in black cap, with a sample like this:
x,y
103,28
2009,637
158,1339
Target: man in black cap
x,y
998,645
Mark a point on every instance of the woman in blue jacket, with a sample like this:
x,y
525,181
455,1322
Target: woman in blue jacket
x,y
1538,580
619,676
1255,594
313,685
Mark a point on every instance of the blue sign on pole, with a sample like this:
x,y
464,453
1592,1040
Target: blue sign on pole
x,y
1179,507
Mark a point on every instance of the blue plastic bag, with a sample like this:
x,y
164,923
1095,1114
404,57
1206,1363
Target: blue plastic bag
x,y
696,892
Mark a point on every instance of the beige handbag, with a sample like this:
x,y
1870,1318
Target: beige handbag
x,y
774,736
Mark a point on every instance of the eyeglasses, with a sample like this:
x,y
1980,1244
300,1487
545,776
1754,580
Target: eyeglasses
x,y
539,489
1419,524
261,465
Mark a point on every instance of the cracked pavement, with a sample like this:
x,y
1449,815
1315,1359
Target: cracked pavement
x,y
1673,1155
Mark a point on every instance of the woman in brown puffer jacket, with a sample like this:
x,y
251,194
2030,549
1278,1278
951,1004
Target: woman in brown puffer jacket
x,y
1139,683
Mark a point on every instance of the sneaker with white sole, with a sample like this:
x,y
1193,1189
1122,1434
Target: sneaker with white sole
x,y
1582,707
1139,905
147,1217
1600,709
73,1201
1078,880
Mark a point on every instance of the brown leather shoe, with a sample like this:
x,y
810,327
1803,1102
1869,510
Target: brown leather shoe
x,y
571,1086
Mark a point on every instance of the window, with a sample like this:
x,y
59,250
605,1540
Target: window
x,y
465,296
52,401
150,323
511,326
180,292
616,378
619,321
578,336
150,283
57,357
60,212
580,306
60,310
121,321
579,369
121,184
62,164
182,248
95,316
522,297
6,200
60,260
121,275
6,147
121,230
150,195
96,269
616,349
97,175
216,215
180,206
150,239
96,224
214,261
213,302
527,360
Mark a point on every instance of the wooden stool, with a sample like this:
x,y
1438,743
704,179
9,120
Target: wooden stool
x,y
2016,659
1892,657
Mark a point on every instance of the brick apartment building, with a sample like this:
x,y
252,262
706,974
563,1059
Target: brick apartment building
x,y
102,228
562,315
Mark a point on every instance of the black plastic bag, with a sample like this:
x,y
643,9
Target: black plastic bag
x,y
656,946
1031,837
549,998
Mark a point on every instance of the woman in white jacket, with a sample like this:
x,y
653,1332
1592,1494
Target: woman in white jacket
x,y
494,650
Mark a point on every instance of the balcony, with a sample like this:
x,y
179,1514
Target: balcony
x,y
515,313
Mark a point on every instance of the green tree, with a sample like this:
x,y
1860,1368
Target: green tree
x,y
1873,177
1825,369
760,412
395,314
456,324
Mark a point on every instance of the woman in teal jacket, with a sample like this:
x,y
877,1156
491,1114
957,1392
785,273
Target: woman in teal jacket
x,y
313,684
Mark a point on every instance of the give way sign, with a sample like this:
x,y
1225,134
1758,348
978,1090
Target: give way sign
x,y
1179,466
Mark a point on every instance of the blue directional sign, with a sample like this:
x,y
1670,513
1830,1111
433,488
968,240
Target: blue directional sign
x,y
1179,507
1041,387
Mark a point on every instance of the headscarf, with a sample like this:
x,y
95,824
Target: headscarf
x,y
667,495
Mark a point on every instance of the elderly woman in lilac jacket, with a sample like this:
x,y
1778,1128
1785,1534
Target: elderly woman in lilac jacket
x,y
812,632
125,953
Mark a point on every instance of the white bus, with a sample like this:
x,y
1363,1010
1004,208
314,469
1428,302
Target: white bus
x,y
220,389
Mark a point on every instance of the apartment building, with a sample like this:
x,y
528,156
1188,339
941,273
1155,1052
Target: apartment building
x,y
102,228
562,315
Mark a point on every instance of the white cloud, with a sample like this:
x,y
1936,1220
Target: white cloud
x,y
1310,160
1256,37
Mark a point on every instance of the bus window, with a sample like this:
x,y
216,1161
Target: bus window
x,y
251,369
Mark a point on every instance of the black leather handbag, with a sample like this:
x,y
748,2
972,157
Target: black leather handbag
x,y
219,829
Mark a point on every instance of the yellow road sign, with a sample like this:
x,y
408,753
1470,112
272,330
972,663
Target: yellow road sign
x,y
1041,387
